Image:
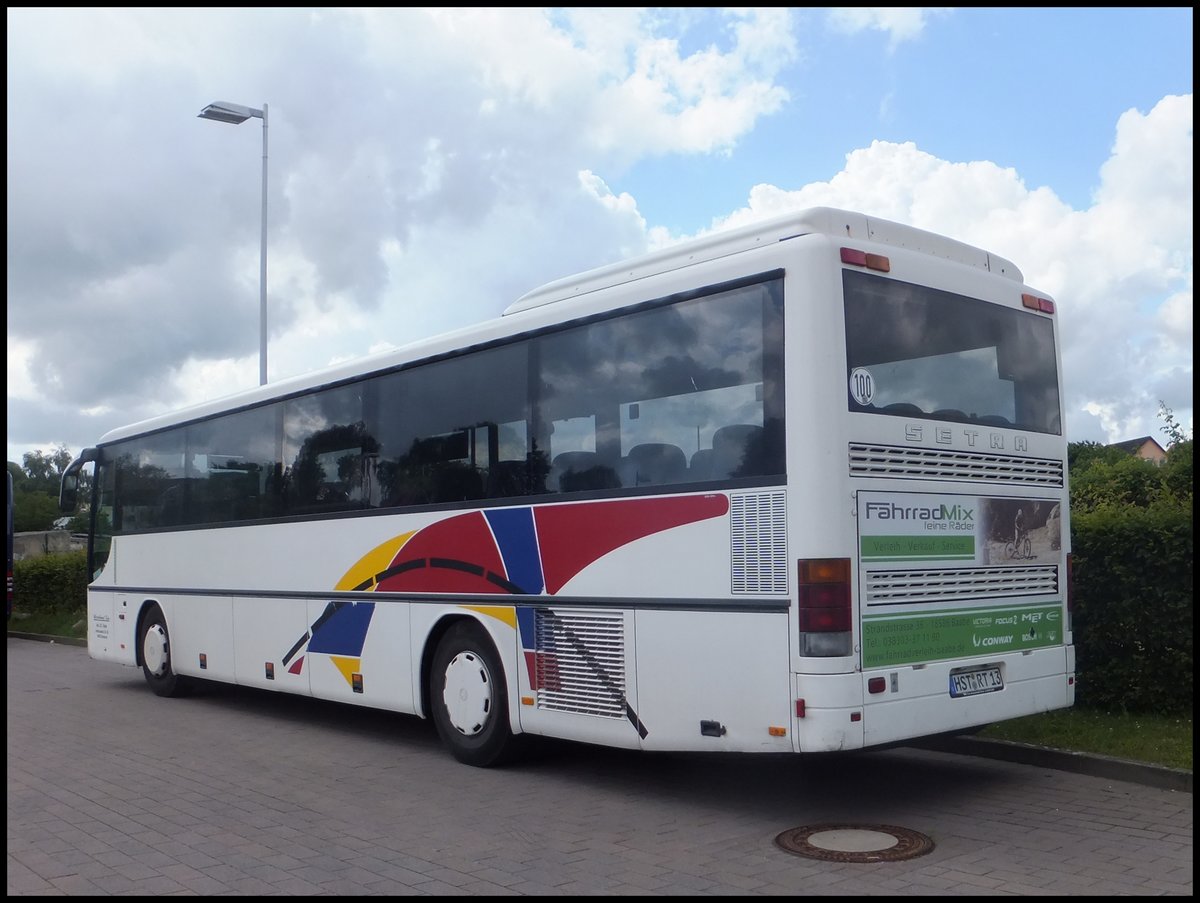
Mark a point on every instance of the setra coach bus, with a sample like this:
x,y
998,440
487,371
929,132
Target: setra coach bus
x,y
798,486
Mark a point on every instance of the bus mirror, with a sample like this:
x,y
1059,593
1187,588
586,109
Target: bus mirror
x,y
69,489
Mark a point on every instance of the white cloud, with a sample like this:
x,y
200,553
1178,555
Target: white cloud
x,y
427,167
424,170
1120,270
900,24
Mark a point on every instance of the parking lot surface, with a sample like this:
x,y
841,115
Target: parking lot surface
x,y
112,790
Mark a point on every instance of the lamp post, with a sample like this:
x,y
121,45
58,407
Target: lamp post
x,y
236,113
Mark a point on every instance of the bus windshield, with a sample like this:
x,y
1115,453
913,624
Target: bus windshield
x,y
914,351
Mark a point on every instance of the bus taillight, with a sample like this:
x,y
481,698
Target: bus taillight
x,y
824,606
1033,302
858,258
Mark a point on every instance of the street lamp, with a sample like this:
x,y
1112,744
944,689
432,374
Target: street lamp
x,y
236,113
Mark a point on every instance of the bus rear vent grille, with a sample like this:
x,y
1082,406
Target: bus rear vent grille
x,y
939,464
580,663
894,587
758,542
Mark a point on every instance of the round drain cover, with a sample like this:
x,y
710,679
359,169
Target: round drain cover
x,y
855,843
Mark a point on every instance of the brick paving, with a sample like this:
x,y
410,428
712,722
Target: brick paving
x,y
112,790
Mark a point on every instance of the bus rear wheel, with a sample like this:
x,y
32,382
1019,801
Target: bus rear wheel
x,y
469,697
154,649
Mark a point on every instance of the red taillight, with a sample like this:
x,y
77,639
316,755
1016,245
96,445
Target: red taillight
x,y
1033,302
824,608
854,257
858,258
876,685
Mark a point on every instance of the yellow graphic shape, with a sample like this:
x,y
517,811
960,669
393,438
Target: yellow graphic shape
x,y
505,613
374,562
347,666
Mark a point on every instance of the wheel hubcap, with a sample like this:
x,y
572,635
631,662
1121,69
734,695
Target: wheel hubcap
x,y
154,650
468,693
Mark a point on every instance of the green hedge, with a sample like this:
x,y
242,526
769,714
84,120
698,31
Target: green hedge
x,y
51,584
1133,607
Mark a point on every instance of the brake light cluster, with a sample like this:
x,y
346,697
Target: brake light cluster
x,y
824,605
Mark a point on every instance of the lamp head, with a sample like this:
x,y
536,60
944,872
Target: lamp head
x,y
229,112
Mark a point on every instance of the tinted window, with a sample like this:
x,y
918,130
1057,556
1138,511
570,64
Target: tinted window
x,y
454,430
913,351
326,446
670,394
686,392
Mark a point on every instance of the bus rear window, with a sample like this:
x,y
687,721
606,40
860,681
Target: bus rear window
x,y
917,352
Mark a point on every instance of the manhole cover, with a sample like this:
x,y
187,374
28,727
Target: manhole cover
x,y
855,843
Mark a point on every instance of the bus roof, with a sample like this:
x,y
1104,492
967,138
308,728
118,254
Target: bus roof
x,y
821,220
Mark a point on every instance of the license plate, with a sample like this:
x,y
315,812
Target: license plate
x,y
972,681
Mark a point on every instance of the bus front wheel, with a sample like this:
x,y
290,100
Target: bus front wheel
x,y
154,647
469,697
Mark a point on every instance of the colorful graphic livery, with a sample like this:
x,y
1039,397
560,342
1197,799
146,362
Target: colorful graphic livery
x,y
507,551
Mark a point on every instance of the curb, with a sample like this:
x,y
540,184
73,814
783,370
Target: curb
x,y
1115,769
43,638
1158,776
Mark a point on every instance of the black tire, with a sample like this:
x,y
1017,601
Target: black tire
x,y
154,652
468,697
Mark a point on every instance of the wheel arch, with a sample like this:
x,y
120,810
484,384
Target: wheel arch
x,y
440,628
147,606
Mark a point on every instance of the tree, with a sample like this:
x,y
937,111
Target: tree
x,y
1171,427
1082,455
18,475
33,511
35,488
46,469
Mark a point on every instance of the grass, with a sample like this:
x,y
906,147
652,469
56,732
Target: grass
x,y
50,624
1155,739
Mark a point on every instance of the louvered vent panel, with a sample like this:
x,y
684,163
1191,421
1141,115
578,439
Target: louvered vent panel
x,y
758,541
580,663
938,464
893,587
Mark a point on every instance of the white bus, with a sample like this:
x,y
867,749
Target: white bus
x,y
799,486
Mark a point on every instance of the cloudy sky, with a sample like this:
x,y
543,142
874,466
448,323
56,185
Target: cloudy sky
x,y
427,167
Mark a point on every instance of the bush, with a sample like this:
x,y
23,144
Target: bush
x,y
1128,481
1133,607
33,511
51,584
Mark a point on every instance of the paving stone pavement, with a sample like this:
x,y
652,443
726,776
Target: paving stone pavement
x,y
112,790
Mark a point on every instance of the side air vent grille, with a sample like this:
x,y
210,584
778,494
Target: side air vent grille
x,y
580,663
896,587
758,542
939,464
